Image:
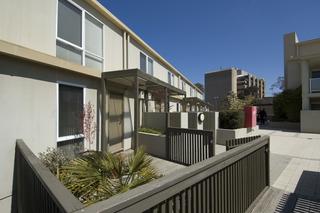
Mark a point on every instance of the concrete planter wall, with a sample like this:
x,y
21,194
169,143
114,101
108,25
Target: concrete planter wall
x,y
153,144
227,134
308,119
179,120
154,120
193,121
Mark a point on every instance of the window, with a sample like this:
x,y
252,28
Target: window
x,y
183,86
146,64
79,36
169,77
172,79
191,92
69,23
70,112
150,66
315,74
143,61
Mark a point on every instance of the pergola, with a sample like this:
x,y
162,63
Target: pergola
x,y
195,101
137,80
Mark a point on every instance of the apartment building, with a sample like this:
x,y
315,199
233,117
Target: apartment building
x,y
56,56
302,68
219,84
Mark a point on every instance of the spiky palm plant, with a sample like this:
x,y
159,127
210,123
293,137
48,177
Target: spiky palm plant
x,y
100,175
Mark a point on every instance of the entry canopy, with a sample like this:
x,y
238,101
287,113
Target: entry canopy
x,y
128,79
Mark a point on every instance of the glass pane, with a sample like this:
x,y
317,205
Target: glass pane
x,y
69,22
143,61
150,66
93,35
70,110
169,77
69,53
94,63
315,74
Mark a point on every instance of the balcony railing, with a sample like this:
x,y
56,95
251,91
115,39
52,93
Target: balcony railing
x,y
314,85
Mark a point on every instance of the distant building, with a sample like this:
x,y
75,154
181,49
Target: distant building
x,y
302,68
219,84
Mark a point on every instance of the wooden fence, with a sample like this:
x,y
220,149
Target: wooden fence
x,y
36,189
189,146
230,182
233,143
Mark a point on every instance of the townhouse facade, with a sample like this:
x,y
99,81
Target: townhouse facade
x,y
219,84
302,69
53,55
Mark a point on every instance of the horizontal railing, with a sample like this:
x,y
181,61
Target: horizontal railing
x,y
189,146
314,85
36,189
233,143
230,182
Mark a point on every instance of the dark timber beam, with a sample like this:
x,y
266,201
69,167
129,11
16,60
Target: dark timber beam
x,y
136,113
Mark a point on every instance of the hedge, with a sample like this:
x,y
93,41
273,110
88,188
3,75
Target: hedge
x,y
231,119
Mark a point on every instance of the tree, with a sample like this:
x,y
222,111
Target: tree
x,y
278,85
233,102
200,86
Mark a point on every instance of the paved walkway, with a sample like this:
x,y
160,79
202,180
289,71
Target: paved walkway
x,y
295,173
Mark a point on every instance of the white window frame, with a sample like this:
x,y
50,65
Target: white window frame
x,y
68,137
83,50
147,58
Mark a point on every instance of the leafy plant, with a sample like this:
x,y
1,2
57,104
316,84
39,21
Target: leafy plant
x,y
88,123
287,105
150,130
234,103
100,175
54,159
231,119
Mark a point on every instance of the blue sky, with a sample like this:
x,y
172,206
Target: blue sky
x,y
197,36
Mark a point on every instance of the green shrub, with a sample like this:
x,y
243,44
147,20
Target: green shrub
x,y
150,130
287,105
54,159
231,119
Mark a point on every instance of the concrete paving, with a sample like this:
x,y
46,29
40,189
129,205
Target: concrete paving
x,y
295,171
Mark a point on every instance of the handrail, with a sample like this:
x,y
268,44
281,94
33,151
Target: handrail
x,y
149,195
33,179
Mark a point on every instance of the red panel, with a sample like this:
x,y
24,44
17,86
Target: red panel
x,y
250,116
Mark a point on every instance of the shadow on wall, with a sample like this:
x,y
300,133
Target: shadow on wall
x,y
306,196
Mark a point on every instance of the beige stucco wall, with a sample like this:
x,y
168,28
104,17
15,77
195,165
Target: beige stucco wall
x,y
307,122
28,100
29,23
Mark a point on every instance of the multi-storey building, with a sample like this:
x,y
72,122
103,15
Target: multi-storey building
x,y
56,56
302,68
219,84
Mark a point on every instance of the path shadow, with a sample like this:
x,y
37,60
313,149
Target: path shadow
x,y
306,196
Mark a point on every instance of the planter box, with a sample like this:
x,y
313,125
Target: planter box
x,y
153,144
227,134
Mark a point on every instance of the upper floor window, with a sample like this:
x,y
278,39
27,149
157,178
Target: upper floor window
x,y
150,66
170,78
191,91
79,36
315,74
146,64
183,86
143,62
